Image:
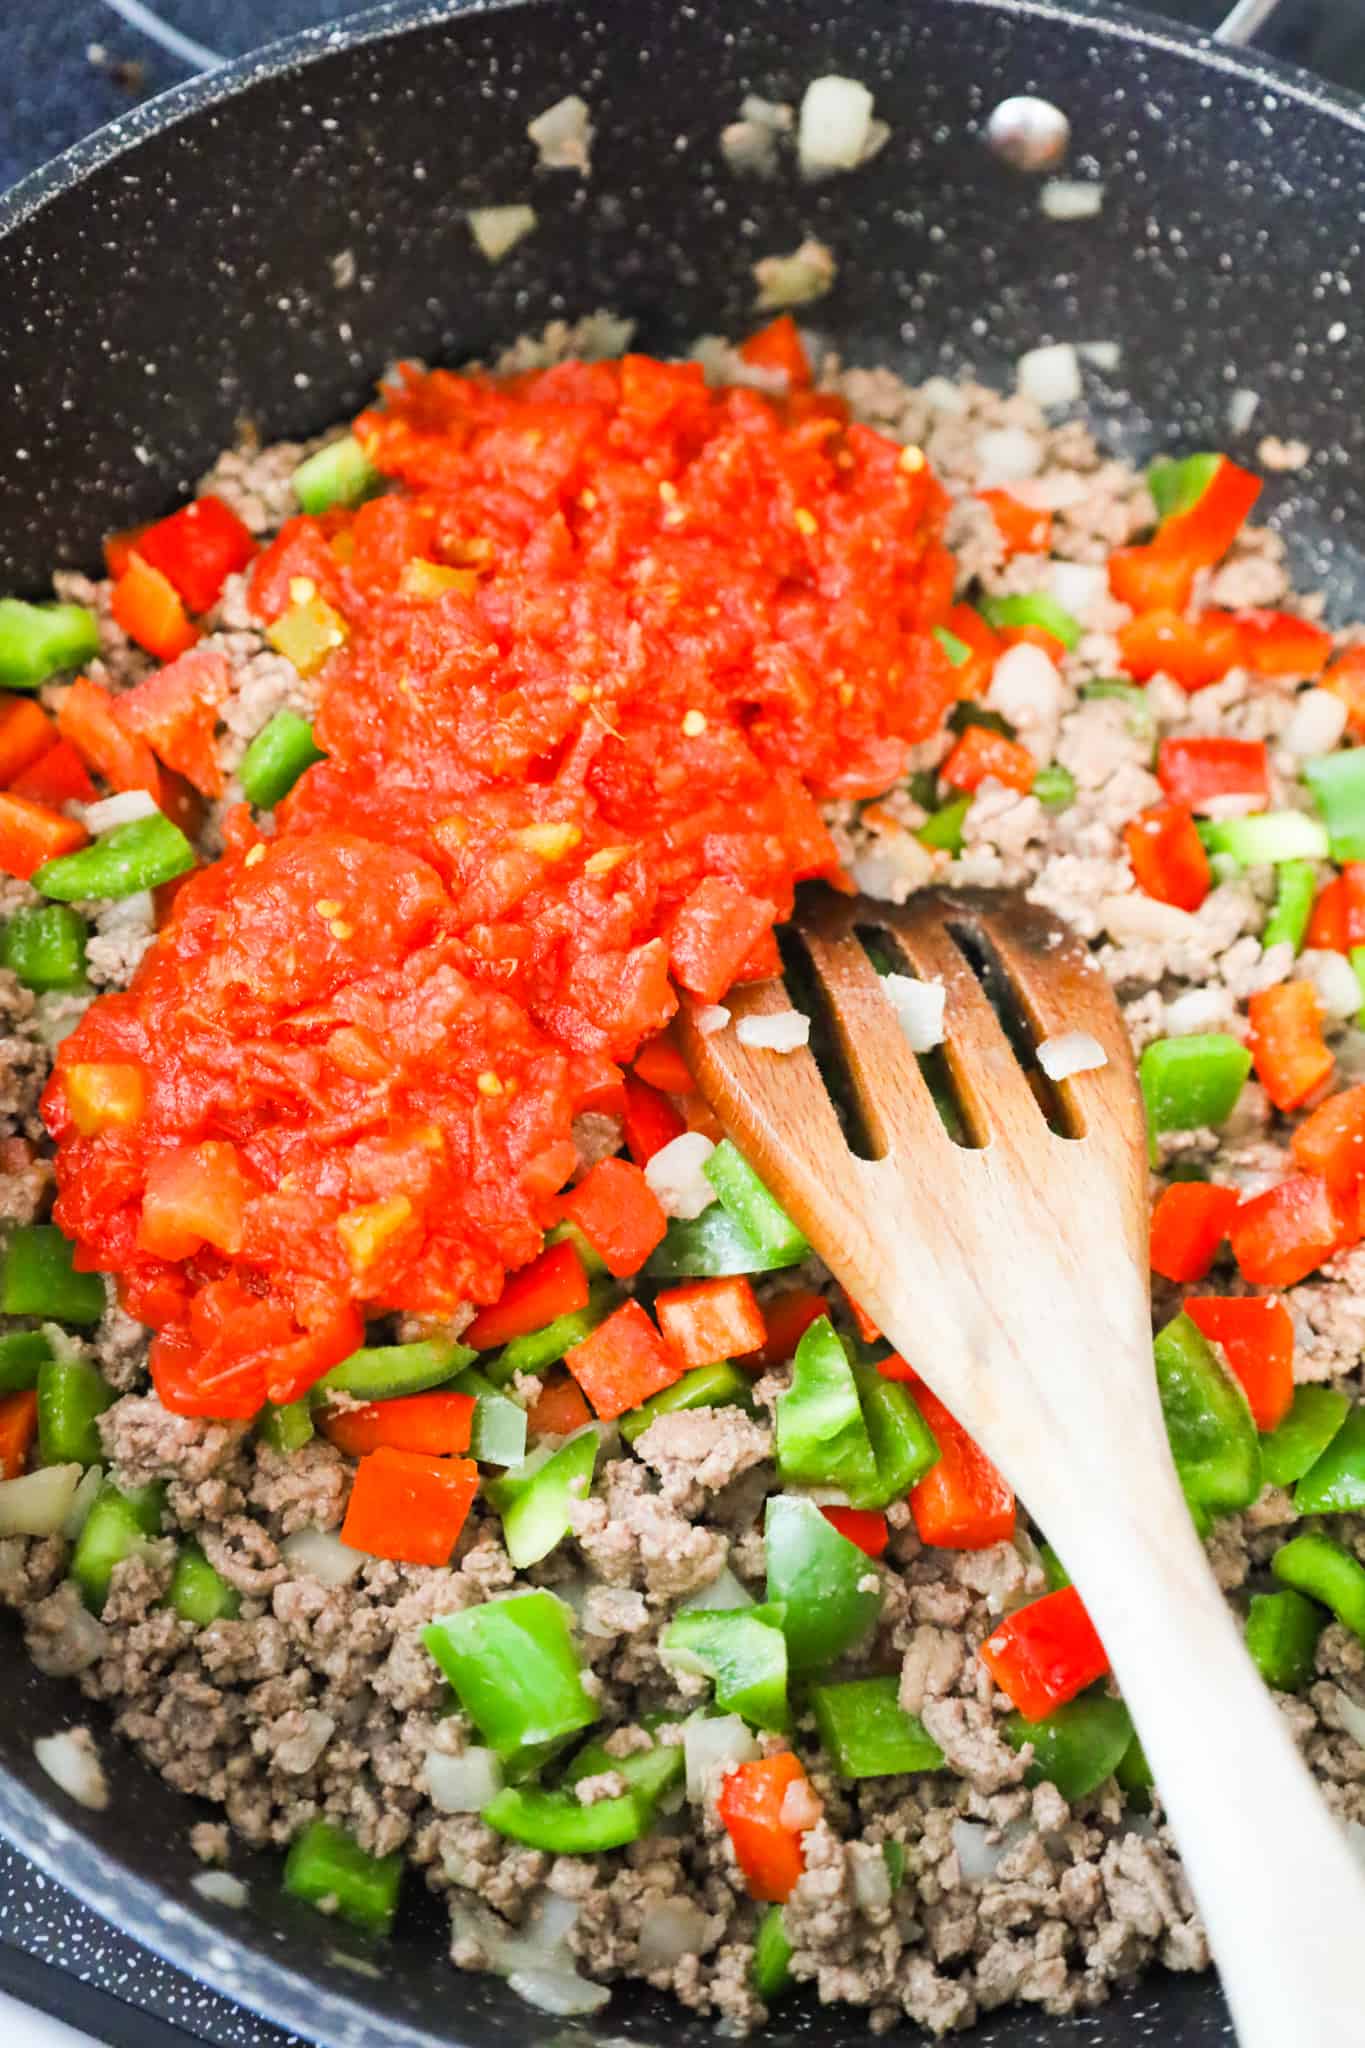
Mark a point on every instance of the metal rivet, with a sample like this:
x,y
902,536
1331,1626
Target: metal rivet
x,y
1029,133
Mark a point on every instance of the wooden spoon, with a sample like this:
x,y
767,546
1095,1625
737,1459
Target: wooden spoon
x,y
1011,1271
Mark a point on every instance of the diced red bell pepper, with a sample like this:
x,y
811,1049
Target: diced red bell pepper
x,y
862,1321
1189,1223
175,709
1206,530
554,1284
150,610
619,1213
57,777
663,1067
409,1507
18,1428
26,734
984,647
197,549
559,1408
867,1527
195,1195
1034,636
1256,1332
962,1502
651,1121
1285,1234
786,1319
705,1320
87,718
1346,679
1024,529
981,753
1150,579
31,834
1291,1056
779,346
1331,1141
120,548
1279,644
1192,652
1167,855
1044,1654
623,1362
768,1851
1194,771
298,1359
1327,923
437,1424
227,1391
713,934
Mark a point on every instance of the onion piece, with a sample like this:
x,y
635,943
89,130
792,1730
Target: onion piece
x,y
321,1554
723,1592
675,1929
1070,199
1051,376
465,1783
978,1857
1333,977
1242,409
220,1887
498,229
563,135
562,1993
711,1018
1104,355
919,1007
1027,690
82,1500
794,280
1006,455
1138,917
1316,723
710,1746
675,1175
1072,1052
1352,1714
871,1878
784,1032
801,1806
124,808
940,394
833,127
72,1762
1078,586
39,1503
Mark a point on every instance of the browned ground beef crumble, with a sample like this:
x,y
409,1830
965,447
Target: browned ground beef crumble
x,y
321,1700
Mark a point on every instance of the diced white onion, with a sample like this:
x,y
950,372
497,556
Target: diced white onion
x,y
724,1591
1071,1052
71,1761
1105,355
1055,492
77,1642
563,135
783,1032
749,148
832,131
940,394
1004,455
537,1962
1078,586
321,1554
1316,723
56,1017
1026,689
463,1784
1198,1009
82,1500
498,229
977,1857
794,280
1136,916
871,1879
135,913
561,1993
801,1807
711,1018
1352,1714
1070,199
919,1009
710,1746
1242,410
675,1175
39,1503
1052,375
123,809
1333,977
220,1887
672,1930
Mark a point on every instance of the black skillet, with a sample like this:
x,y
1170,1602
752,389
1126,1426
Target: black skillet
x,y
179,273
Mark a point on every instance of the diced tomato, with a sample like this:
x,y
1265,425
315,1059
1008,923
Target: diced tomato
x,y
981,753
1285,1035
175,709
409,1507
705,1320
1192,652
984,646
298,1360
713,935
1189,1223
1279,644
559,1408
31,834
87,718
554,1284
962,1502
786,1319
779,346
1197,770
1331,1141
299,552
26,733
1150,579
437,1424
230,1393
1044,1654
1283,1235
619,1213
623,1362
867,1527
1256,1333
57,777
862,1322
149,608
651,1121
1024,529
663,1067
751,1803
195,1195
104,1095
18,1429
1204,533
198,548
1167,856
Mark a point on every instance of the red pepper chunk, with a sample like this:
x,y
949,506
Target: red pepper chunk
x,y
786,1319
554,1284
151,611
1045,1653
197,549
710,1319
175,709
1192,652
1285,1234
559,1408
1189,1223
984,648
619,1213
1024,529
663,1067
1346,679
1279,644
18,1428
31,834
436,1424
57,777
1167,855
982,754
1326,931
767,1849
1204,532
1292,1059
651,1120
867,1527
862,1322
409,1507
962,1502
87,718
779,346
623,1362
1256,1333
26,734
1195,771
1331,1141
1150,580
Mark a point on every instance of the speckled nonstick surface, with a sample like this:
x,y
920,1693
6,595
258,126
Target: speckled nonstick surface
x,y
177,274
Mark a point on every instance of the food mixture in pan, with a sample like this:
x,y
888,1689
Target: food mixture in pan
x,y
424,1436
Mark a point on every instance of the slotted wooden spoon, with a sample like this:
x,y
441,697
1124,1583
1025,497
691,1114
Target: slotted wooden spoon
x,y
1011,1271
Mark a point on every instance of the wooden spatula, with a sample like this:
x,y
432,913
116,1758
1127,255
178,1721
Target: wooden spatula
x,y
1011,1271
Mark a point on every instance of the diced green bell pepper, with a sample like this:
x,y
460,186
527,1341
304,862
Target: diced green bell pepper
x,y
339,474
514,1668
1356,956
541,1348
1296,885
1315,1416
286,1429
324,1864
37,1278
829,1591
276,758
1189,1082
770,1972
118,1526
893,1853
558,1824
497,1433
1035,608
822,1439
967,712
140,855
1266,838
1338,783
568,1232
1134,1775
1077,1746
957,651
38,640
45,947
384,1371
1335,1483
707,1386
711,1246
867,1733
942,830
649,1773
1055,787
903,1445
72,1395
1178,483
1313,1564
745,1199
22,1352
200,1594
1212,1435
743,1651
1282,1636
535,1504
1056,1572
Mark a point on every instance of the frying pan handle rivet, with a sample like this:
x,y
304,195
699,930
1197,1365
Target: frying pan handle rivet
x,y
1029,133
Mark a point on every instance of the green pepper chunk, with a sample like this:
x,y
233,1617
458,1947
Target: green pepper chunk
x,y
72,1395
385,1371
1077,1746
1054,1570
1338,783
37,1278
1296,885
829,1591
140,855
893,1853
822,1439
288,1428
541,1348
45,947
903,1445
276,758
39,640
867,1733
200,1594
967,712
325,1864
1134,1776
1266,838
1034,609
1356,956
1315,1416
568,1232
711,1246
1212,1436
957,651
1178,483
119,1525
649,1773
743,1651
745,1199
339,474
22,1352
1325,1571
497,1433
558,1824
943,830
770,1972
516,1674
536,1504
707,1386
1055,787
1189,1082
1282,1636
1334,1483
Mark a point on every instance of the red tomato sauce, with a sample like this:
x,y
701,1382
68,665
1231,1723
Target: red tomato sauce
x,y
589,772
